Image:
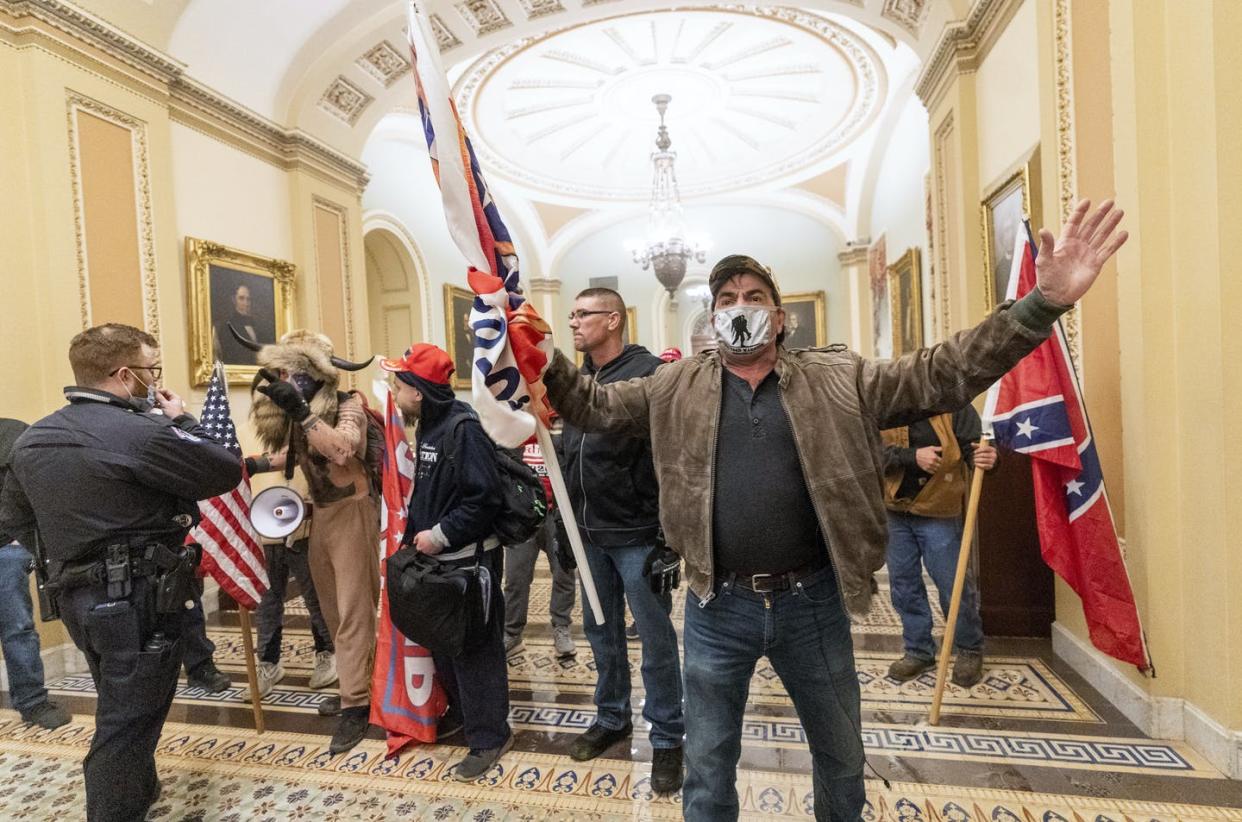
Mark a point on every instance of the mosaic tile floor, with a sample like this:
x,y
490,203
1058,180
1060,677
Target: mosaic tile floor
x,y
1032,742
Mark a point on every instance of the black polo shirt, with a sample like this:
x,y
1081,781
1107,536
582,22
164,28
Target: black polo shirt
x,y
763,521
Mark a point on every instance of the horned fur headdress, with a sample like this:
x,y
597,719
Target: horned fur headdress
x,y
298,352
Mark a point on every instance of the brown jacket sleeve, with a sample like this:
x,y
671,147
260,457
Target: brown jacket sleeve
x,y
948,375
616,408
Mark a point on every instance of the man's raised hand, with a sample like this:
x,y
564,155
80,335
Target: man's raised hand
x,y
1068,265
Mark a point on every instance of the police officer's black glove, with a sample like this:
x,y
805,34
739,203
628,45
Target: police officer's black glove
x,y
662,569
287,398
564,552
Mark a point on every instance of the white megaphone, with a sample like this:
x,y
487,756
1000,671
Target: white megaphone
x,y
277,512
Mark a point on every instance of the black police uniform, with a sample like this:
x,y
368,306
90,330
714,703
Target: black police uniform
x,y
113,493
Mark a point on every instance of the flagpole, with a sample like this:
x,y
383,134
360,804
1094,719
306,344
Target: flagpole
x,y
561,493
252,675
959,581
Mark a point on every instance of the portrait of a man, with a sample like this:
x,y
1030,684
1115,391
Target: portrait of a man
x,y
457,304
804,320
246,302
228,286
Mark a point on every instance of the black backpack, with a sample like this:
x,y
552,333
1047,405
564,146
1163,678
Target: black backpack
x,y
524,506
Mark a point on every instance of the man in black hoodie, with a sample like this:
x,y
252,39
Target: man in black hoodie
x,y
451,515
613,489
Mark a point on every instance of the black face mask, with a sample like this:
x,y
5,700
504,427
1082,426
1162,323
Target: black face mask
x,y
307,386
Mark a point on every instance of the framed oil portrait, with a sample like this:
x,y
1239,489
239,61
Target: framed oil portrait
x,y
250,292
457,333
805,323
1003,208
905,300
629,334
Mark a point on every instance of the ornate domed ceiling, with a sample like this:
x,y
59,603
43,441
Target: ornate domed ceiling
x,y
759,98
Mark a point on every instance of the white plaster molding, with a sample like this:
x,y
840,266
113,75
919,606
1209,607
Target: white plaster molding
x,y
1160,717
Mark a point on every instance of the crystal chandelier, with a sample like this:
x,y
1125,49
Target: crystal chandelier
x,y
668,249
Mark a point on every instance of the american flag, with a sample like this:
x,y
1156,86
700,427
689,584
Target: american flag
x,y
1038,409
231,550
512,343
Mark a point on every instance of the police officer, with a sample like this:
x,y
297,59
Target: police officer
x,y
111,489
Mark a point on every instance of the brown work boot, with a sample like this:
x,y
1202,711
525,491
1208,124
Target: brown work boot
x,y
908,667
968,668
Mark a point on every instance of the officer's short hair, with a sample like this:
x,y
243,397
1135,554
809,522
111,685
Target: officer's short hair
x,y
97,352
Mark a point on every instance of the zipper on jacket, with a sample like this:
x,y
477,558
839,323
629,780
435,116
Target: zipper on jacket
x,y
711,491
823,525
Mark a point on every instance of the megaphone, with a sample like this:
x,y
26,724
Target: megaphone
x,y
277,512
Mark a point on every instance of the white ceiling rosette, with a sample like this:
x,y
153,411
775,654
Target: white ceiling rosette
x,y
761,97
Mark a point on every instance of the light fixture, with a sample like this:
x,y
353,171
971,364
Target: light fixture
x,y
668,249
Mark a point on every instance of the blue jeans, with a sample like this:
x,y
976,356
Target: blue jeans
x,y
17,631
915,541
805,633
618,574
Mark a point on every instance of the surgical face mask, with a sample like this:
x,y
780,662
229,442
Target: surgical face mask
x,y
142,404
743,329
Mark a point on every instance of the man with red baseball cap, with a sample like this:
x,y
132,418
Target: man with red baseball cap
x,y
450,517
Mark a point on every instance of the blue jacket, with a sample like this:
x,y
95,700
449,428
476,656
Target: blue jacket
x,y
456,484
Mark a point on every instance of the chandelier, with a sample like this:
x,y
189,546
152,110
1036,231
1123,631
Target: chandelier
x,y
668,249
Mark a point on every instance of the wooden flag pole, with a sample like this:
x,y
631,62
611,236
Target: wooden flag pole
x,y
959,581
252,675
567,514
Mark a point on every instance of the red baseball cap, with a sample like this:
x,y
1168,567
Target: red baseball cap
x,y
670,354
425,361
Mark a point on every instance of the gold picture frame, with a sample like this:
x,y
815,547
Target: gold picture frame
x,y
223,281
1001,212
628,335
905,302
805,319
458,336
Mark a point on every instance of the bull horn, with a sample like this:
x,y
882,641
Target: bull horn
x,y
351,366
251,344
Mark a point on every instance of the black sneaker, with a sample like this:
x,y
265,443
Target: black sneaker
x,y
596,740
208,677
479,761
330,706
631,632
666,770
449,726
47,714
908,667
351,729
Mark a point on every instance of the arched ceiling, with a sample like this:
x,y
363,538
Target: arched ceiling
x,y
557,92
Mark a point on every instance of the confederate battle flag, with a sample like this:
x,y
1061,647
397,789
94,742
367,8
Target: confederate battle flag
x,y
1037,409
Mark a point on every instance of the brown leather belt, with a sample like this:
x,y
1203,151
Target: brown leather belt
x,y
775,583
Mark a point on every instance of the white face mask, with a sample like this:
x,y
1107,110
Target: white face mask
x,y
743,329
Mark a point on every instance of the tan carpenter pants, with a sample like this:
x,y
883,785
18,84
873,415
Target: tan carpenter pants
x,y
344,563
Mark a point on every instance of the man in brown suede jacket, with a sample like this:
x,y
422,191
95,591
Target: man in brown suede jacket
x,y
771,489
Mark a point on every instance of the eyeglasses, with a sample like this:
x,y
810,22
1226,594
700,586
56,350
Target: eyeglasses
x,y
155,370
584,312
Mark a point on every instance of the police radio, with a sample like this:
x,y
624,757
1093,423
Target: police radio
x,y
277,512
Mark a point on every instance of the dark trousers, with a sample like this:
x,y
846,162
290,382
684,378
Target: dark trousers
x,y
196,647
477,680
135,688
281,562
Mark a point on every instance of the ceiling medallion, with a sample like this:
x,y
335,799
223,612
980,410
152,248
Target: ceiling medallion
x,y
764,94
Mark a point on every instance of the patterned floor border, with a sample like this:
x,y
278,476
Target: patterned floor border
x,y
230,777
1013,687
883,618
1142,756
